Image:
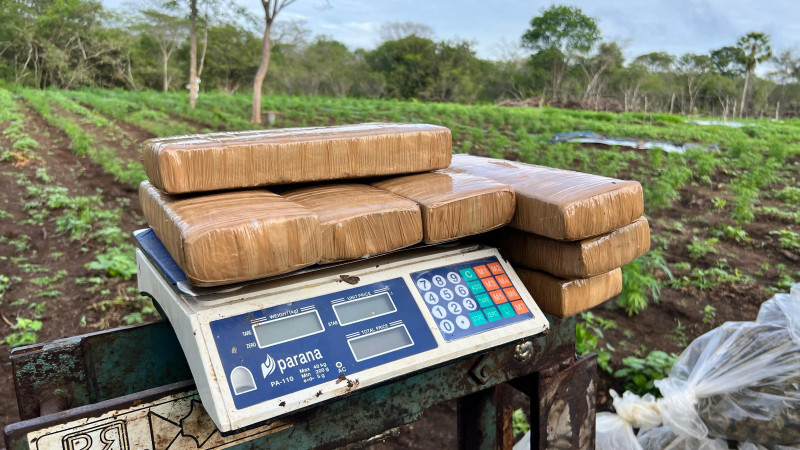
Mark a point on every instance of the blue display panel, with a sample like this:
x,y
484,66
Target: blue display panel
x,y
470,297
276,351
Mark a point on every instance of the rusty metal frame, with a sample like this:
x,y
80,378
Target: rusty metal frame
x,y
77,373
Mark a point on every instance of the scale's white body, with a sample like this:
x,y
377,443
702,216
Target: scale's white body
x,y
350,351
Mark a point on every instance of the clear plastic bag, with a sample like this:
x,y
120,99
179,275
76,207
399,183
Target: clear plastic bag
x,y
740,381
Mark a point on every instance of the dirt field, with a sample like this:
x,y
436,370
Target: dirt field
x,y
77,299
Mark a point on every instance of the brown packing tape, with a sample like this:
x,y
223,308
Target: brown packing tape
x,y
357,220
234,236
233,160
564,298
455,205
560,204
574,259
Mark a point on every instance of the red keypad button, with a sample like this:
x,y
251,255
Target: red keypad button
x,y
482,271
503,281
512,293
490,284
496,268
519,307
498,297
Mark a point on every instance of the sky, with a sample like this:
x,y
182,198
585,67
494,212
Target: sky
x,y
642,26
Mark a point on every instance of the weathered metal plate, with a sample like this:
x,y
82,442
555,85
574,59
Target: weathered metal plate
x,y
172,417
174,421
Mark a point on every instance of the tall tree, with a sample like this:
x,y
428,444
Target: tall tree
x,y
655,61
564,31
193,81
167,31
393,31
756,49
271,10
694,70
728,61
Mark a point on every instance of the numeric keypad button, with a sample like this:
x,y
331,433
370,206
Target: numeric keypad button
x,y
439,280
462,290
446,326
469,304
438,312
462,322
431,298
423,284
446,294
454,307
453,277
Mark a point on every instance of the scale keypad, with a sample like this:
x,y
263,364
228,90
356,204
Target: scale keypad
x,y
470,298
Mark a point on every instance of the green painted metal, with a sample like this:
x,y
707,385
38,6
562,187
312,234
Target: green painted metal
x,y
99,366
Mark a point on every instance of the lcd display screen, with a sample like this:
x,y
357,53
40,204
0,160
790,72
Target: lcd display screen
x,y
287,329
364,308
380,343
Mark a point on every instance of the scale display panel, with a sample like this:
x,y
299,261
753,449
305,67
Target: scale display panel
x,y
264,350
276,351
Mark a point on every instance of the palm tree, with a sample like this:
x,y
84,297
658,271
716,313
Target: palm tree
x,y
756,49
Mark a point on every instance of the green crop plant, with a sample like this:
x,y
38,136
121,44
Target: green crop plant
x,y
789,195
639,280
709,313
639,375
787,239
24,334
699,248
519,423
731,233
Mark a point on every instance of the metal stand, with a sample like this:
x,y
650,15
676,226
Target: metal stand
x,y
131,388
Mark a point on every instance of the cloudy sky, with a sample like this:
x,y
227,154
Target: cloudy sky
x,y
677,26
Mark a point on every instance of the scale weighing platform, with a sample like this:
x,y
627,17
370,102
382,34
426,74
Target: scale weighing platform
x,y
262,350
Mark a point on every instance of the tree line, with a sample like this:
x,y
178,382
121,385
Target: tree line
x,y
204,45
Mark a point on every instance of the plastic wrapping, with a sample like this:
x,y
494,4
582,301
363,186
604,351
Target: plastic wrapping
x,y
560,204
575,259
739,382
232,160
357,220
564,298
455,205
235,236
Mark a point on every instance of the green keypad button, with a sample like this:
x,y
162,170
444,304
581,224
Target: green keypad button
x,y
468,274
506,310
492,314
477,318
484,300
476,287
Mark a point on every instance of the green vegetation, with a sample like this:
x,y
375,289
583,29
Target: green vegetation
x,y
639,375
639,280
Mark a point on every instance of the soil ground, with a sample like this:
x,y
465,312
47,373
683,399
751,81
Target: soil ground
x,y
75,312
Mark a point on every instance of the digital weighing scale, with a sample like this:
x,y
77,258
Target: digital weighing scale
x,y
259,351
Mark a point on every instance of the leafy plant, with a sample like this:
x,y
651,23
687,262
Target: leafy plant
x,y
587,341
519,423
639,280
787,239
699,248
709,313
732,233
25,333
639,375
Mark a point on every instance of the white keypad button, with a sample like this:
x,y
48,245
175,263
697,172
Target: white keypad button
x,y
423,284
438,312
454,307
462,290
453,277
446,326
431,298
462,322
446,294
469,304
439,280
